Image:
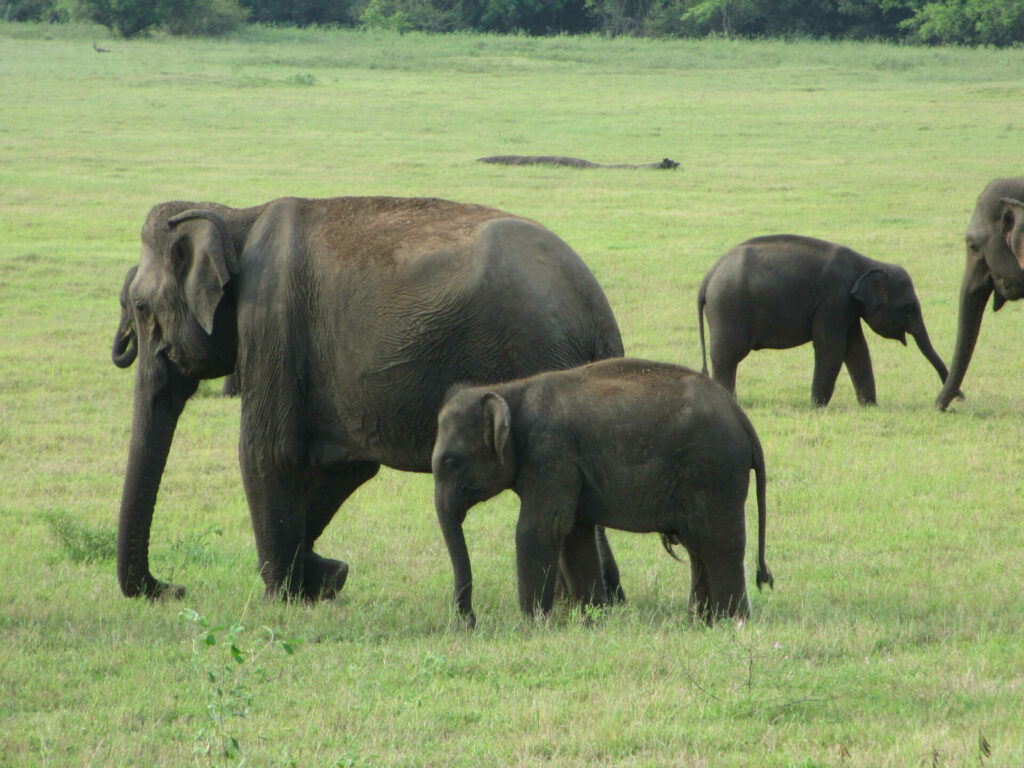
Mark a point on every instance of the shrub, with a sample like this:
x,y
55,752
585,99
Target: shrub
x,y
130,18
31,10
207,18
970,22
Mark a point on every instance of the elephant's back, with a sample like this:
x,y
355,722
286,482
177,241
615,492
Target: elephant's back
x,y
771,272
383,233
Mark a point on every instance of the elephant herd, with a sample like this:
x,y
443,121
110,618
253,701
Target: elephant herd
x,y
433,336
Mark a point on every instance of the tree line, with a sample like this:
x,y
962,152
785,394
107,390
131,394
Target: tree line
x,y
958,22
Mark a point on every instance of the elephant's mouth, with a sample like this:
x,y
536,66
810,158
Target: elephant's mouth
x,y
1011,290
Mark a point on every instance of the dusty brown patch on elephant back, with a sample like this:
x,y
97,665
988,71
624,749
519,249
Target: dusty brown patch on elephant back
x,y
572,162
394,228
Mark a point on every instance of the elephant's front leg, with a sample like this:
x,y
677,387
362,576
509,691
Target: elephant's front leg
x,y
829,351
279,524
550,496
858,365
537,548
325,491
581,565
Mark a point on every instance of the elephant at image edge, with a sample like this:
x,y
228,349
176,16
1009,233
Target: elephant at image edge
x,y
781,291
126,348
629,444
994,267
348,319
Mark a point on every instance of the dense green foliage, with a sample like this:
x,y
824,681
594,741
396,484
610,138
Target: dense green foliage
x,y
892,638
969,22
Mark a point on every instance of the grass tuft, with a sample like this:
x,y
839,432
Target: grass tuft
x,y
82,543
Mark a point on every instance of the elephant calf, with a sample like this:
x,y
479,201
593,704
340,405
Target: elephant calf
x,y
782,291
629,444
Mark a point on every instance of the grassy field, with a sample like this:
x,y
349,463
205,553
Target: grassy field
x,y
896,534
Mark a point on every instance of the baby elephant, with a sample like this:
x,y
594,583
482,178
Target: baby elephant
x,y
782,291
628,444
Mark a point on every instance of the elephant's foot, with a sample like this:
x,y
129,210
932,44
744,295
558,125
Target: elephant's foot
x,y
323,578
155,590
615,592
169,592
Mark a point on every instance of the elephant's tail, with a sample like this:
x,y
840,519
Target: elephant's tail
x,y
701,301
763,574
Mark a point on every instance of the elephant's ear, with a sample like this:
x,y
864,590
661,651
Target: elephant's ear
x,y
872,290
497,429
204,259
1013,228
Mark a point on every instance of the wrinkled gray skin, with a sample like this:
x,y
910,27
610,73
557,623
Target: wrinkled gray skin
x,y
782,291
126,348
347,320
994,267
629,444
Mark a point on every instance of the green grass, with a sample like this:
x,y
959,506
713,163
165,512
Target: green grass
x,y
893,636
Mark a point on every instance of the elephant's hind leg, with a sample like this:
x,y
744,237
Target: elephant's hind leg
x,y
729,346
290,508
323,578
728,585
700,589
609,568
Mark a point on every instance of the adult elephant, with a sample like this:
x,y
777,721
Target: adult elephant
x,y
347,319
995,267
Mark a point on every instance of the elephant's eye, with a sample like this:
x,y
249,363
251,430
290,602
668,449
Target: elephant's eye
x,y
451,463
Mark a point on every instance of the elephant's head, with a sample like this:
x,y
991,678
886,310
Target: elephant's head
x,y
473,460
176,321
994,266
891,309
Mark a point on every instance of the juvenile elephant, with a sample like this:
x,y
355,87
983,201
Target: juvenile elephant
x,y
629,444
995,267
782,291
347,320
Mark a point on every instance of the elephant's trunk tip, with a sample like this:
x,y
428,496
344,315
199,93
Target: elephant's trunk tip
x,y
764,577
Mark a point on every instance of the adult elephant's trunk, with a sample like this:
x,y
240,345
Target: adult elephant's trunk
x,y
450,514
975,288
160,396
126,346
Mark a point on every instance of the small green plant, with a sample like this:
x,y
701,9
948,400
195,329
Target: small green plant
x,y
306,79
82,543
228,659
